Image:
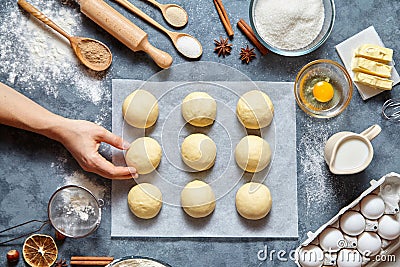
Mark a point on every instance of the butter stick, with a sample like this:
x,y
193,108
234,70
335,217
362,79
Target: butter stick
x,y
375,52
373,81
371,67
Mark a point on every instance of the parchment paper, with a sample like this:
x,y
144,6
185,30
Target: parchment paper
x,y
225,177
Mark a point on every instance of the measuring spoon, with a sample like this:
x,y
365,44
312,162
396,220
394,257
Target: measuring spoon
x,y
175,15
93,54
186,44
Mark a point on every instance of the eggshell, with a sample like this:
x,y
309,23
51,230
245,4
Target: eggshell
x,y
372,207
349,258
311,256
331,239
388,227
369,244
352,223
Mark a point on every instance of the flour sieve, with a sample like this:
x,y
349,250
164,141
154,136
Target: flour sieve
x,y
72,210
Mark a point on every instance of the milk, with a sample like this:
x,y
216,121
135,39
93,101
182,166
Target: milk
x,y
351,154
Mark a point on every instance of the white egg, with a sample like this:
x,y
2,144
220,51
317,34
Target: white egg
x,y
349,258
369,244
388,227
352,223
372,207
331,239
311,256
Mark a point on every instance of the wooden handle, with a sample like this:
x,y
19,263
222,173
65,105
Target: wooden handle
x,y
155,3
121,28
161,58
131,7
43,18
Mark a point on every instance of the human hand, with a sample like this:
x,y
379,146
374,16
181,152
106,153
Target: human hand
x,y
83,138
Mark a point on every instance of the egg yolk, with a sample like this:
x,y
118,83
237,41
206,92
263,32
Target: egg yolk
x,y
323,91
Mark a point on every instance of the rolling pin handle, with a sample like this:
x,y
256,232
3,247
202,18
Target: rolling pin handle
x,y
161,58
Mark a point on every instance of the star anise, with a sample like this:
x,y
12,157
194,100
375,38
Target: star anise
x,y
222,46
61,263
247,54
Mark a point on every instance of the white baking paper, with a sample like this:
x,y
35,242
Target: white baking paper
x,y
346,50
225,177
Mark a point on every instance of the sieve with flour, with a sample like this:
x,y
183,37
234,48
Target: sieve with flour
x,y
72,210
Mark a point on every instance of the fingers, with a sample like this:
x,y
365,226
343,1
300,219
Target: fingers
x,y
103,167
114,140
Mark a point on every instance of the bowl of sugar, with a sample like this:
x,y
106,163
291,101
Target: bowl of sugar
x,y
293,27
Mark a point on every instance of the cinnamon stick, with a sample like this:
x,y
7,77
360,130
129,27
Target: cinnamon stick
x,y
224,17
246,29
91,260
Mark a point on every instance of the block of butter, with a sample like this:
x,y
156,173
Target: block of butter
x,y
373,81
361,64
375,52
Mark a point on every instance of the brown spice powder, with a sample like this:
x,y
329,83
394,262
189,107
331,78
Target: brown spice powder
x,y
94,52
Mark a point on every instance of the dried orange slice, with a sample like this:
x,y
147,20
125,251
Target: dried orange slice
x,y
40,251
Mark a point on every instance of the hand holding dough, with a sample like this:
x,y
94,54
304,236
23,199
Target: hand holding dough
x,y
144,154
140,109
255,110
198,199
145,200
199,109
198,151
252,153
253,201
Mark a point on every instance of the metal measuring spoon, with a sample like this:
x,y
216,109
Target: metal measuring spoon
x,y
186,44
175,15
92,53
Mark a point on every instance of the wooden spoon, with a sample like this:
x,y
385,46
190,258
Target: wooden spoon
x,y
176,17
186,44
92,53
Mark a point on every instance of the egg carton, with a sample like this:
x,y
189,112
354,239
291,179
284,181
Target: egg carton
x,y
387,188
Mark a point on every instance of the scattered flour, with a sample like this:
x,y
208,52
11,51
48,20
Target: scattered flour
x,y
38,58
292,24
78,178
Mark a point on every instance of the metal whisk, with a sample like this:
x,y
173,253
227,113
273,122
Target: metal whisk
x,y
391,110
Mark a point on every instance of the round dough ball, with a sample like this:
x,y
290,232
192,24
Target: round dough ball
x,y
144,154
253,201
255,110
252,153
145,200
199,109
198,199
140,109
199,151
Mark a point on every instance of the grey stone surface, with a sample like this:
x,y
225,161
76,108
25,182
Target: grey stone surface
x,y
32,166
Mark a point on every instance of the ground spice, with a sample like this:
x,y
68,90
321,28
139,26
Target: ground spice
x,y
176,16
94,52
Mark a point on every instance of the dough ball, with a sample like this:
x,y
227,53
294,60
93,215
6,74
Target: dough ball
x,y
252,153
140,109
199,109
198,151
255,110
145,200
144,154
198,199
253,201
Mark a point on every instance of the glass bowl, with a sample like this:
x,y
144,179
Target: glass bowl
x,y
328,71
329,18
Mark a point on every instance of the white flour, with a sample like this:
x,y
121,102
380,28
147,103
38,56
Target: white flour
x,y
292,24
79,178
38,58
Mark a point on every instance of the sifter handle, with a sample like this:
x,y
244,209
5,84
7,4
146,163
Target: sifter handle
x,y
22,224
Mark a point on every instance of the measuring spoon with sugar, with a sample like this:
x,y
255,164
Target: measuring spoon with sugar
x,y
92,53
186,44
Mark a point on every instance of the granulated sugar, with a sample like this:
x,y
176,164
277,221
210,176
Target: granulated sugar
x,y
38,58
292,24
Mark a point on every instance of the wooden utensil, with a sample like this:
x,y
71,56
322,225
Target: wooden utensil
x,y
99,59
174,36
172,20
123,29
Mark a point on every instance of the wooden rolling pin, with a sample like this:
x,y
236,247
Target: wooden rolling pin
x,y
123,29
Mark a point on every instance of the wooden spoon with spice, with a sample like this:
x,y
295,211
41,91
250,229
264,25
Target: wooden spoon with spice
x,y
175,15
186,44
92,53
